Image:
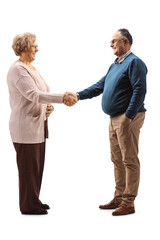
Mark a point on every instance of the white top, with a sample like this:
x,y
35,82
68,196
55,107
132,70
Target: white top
x,y
29,96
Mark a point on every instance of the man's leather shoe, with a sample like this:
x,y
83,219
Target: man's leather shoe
x,y
124,209
36,212
45,206
115,203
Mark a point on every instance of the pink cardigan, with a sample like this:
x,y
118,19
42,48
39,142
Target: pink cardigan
x,y
29,96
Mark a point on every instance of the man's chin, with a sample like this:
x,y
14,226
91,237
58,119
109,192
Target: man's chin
x,y
115,53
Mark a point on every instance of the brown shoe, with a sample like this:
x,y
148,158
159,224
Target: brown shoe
x,y
115,203
123,210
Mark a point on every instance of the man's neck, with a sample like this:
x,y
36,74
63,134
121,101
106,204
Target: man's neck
x,y
127,49
120,59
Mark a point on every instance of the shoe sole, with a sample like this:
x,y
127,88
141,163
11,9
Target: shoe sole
x,y
121,214
103,208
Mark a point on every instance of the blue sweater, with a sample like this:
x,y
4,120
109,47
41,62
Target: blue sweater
x,y
123,88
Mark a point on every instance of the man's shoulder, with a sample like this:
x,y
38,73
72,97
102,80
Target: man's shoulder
x,y
135,61
133,57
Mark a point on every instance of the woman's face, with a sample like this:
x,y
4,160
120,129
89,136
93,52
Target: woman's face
x,y
34,50
30,56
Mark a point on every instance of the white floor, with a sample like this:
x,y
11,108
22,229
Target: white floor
x,y
74,43
80,219
78,177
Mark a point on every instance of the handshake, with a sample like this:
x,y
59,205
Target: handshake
x,y
69,98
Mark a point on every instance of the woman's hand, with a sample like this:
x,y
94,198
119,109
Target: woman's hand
x,y
49,110
69,98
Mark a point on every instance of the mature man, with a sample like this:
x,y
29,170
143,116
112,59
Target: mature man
x,y
124,89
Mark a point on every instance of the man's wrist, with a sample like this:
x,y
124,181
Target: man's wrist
x,y
128,115
78,97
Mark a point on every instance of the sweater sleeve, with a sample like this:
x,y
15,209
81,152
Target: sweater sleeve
x,y
92,91
27,87
137,75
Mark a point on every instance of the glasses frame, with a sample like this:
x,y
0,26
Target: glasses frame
x,y
116,40
35,46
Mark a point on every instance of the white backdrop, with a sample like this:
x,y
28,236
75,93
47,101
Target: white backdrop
x,y
74,52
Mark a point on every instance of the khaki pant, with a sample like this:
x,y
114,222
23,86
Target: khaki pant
x,y
124,138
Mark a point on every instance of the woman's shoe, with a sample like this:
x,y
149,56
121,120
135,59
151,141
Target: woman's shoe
x,y
45,206
36,212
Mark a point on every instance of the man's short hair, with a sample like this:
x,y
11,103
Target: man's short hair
x,y
125,33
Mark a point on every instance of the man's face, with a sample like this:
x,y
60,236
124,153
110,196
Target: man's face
x,y
118,44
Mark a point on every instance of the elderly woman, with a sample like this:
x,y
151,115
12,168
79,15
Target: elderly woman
x,y
30,107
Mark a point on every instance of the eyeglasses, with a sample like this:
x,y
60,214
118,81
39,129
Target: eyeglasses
x,y
115,40
35,46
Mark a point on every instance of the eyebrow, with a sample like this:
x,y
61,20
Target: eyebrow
x,y
113,40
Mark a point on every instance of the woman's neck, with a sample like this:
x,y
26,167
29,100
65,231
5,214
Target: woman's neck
x,y
24,60
28,63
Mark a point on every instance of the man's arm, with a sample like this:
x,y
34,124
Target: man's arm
x,y
137,75
92,91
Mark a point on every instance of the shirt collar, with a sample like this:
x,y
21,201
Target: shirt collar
x,y
121,59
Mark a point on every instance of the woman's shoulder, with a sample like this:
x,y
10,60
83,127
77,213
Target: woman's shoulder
x,y
17,66
16,71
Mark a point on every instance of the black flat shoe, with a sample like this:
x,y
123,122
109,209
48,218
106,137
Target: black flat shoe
x,y
45,206
36,212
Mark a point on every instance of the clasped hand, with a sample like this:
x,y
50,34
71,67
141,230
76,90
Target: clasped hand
x,y
69,98
49,110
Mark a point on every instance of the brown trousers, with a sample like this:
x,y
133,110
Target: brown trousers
x,y
124,138
30,162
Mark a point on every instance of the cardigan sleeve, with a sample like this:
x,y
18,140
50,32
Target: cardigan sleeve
x,y
27,87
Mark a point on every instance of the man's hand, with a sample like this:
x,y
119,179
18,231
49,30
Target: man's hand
x,y
69,98
49,110
126,119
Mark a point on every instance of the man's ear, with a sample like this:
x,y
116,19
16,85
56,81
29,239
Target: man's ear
x,y
126,41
